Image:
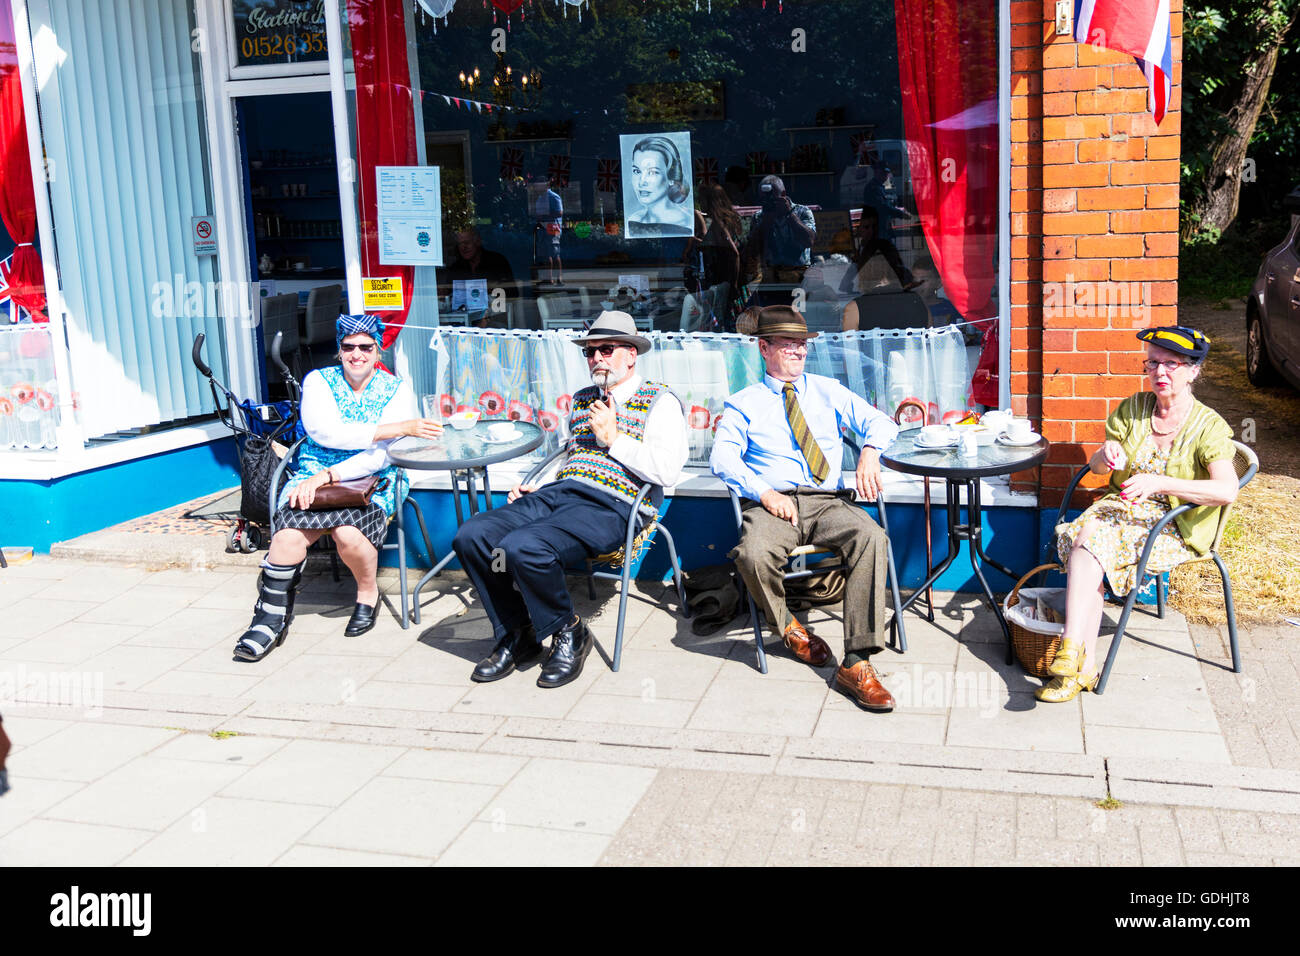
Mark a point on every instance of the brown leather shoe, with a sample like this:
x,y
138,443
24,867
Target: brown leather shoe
x,y
861,683
806,646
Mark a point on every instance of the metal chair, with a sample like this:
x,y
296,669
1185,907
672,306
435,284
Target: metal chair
x,y
898,632
634,545
399,545
1246,464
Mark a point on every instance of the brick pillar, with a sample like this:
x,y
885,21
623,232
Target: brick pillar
x,y
1094,231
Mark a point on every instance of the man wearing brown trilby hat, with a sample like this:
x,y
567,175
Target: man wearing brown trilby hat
x,y
623,432
779,448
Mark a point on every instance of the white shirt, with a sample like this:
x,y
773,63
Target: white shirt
x,y
661,454
324,423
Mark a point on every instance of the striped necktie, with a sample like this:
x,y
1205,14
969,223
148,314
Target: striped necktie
x,y
812,453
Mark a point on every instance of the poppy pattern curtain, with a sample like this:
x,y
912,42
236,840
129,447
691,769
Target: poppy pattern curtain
x,y
531,376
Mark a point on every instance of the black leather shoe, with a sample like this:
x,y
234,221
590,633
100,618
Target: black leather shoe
x,y
569,648
517,647
362,620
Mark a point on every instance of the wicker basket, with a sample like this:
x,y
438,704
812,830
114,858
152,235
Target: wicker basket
x,y
1034,649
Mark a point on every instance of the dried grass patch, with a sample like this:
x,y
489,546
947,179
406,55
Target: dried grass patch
x,y
1262,553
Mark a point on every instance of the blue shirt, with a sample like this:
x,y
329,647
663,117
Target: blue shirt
x,y
754,449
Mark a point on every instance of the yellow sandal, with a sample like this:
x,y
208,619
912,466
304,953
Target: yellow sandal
x,y
1062,689
1068,659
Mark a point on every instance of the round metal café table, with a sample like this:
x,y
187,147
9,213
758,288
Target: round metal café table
x,y
958,471
465,454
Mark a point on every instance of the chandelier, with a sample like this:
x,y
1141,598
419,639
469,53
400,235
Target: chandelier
x,y
505,85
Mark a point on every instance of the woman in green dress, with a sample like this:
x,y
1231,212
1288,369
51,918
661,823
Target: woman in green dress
x,y
1163,448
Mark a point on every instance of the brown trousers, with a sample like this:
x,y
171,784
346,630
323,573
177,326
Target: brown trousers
x,y
826,520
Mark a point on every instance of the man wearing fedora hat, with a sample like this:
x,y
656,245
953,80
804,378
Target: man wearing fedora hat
x,y
779,447
623,432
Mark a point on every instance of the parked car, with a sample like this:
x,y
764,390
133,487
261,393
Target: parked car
x,y
1273,315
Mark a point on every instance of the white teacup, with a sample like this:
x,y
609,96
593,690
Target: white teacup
x,y
500,431
934,434
1020,429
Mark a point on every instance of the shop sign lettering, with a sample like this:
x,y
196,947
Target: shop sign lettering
x,y
281,31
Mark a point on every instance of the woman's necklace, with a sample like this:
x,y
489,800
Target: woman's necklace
x,y
1171,431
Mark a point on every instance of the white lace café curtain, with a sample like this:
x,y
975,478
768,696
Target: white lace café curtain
x,y
28,415
531,375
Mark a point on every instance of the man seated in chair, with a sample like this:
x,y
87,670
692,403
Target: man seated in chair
x,y
624,432
779,448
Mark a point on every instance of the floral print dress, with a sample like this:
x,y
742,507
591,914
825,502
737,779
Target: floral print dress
x,y
1123,526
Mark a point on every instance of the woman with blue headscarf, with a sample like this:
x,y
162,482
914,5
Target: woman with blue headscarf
x,y
351,413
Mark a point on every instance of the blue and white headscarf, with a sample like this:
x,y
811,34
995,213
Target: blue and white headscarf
x,y
367,323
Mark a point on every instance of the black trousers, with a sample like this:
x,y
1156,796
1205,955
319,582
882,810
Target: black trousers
x,y
515,556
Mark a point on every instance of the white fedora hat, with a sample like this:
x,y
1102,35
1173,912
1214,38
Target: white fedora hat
x,y
614,326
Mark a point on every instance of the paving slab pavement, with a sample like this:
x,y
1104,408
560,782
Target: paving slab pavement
x,y
139,741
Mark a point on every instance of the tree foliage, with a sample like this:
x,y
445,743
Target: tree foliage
x,y
1228,45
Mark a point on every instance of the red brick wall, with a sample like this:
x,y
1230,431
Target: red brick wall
x,y
1094,202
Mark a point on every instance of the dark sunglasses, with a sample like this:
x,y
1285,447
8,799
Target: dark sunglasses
x,y
605,350
366,347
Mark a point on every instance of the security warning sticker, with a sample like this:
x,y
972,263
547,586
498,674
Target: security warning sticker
x,y
382,294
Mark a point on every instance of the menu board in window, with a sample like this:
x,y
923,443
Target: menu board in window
x,y
278,31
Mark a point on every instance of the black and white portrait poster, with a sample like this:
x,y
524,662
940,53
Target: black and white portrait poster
x,y
657,199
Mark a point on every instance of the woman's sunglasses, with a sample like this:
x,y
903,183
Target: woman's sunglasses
x,y
605,351
366,347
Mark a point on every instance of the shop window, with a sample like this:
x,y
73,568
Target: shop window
x,y
687,161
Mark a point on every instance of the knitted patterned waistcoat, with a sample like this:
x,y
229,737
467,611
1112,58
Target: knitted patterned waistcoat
x,y
591,463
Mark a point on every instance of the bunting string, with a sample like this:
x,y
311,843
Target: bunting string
x,y
459,102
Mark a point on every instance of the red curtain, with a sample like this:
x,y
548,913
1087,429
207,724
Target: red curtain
x,y
947,69
17,199
385,128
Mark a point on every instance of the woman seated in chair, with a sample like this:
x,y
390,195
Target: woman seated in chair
x,y
1163,448
351,413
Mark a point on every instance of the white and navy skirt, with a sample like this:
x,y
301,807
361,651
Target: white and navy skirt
x,y
371,520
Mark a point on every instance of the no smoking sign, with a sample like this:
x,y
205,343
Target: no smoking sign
x,y
203,231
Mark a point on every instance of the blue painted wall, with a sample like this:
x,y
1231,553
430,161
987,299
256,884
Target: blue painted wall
x,y
39,513
704,530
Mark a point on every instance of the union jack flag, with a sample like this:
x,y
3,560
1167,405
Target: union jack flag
x,y
558,169
608,174
512,163
7,296
706,170
1139,28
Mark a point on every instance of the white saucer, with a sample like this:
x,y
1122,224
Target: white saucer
x,y
502,441
1008,440
917,443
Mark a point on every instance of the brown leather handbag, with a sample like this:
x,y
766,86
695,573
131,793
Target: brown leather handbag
x,y
347,494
